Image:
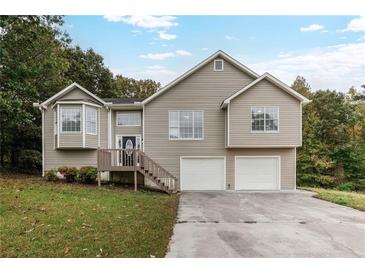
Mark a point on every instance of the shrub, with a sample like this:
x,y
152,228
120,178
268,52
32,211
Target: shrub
x,y
87,174
346,187
51,175
70,173
30,159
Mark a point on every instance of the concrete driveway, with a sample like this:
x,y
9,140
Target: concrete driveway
x,y
281,224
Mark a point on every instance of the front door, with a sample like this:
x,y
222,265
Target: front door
x,y
125,157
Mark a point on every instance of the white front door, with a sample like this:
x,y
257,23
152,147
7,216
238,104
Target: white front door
x,y
202,173
257,173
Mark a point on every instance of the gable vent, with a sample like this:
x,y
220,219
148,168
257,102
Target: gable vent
x,y
218,65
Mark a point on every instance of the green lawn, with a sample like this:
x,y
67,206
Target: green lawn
x,y
42,219
350,199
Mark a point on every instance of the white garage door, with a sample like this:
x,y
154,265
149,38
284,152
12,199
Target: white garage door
x,y
202,173
257,173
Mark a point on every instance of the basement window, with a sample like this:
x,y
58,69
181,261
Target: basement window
x,y
218,65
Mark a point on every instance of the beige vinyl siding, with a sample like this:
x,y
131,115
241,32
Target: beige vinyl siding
x,y
77,94
91,141
264,94
287,164
203,90
118,130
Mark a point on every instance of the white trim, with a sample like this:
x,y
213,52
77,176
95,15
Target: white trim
x,y
301,124
143,108
206,157
262,146
295,168
186,139
273,80
68,89
258,156
58,126
126,111
75,103
228,122
83,126
90,133
109,128
218,59
43,144
99,126
266,131
198,66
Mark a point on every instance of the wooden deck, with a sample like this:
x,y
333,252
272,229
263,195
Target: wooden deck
x,y
137,161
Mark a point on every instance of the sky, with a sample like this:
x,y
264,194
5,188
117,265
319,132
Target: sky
x,y
329,51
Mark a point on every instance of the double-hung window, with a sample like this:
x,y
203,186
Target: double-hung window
x,y
91,120
186,125
70,120
129,118
264,119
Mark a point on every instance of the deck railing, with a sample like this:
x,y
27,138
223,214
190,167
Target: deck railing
x,y
135,160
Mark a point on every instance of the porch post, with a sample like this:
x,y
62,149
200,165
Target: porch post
x,y
135,168
99,179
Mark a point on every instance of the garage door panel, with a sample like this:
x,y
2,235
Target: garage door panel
x,y
257,173
202,173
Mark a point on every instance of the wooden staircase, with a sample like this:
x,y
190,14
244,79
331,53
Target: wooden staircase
x,y
137,161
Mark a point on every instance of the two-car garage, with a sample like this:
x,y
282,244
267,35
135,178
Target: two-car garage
x,y
250,173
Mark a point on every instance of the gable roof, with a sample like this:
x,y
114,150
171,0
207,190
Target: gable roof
x,y
67,90
271,79
219,53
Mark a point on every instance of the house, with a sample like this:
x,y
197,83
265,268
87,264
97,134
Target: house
x,y
219,126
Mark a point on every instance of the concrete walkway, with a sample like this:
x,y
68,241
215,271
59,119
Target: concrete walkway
x,y
281,224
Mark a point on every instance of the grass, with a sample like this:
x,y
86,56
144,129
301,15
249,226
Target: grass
x,y
350,199
43,219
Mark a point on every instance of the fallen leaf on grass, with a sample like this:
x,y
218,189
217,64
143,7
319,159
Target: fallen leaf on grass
x,y
85,249
30,230
66,250
85,225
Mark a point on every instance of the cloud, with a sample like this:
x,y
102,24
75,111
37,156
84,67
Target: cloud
x,y
362,38
313,27
204,49
157,56
284,54
166,36
356,25
165,55
146,21
228,37
334,67
183,52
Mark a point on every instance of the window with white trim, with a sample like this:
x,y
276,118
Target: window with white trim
x,y
91,120
218,65
130,119
70,120
186,125
265,119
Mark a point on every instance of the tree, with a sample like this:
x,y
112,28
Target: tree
x,y
129,87
332,152
301,86
87,69
32,68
